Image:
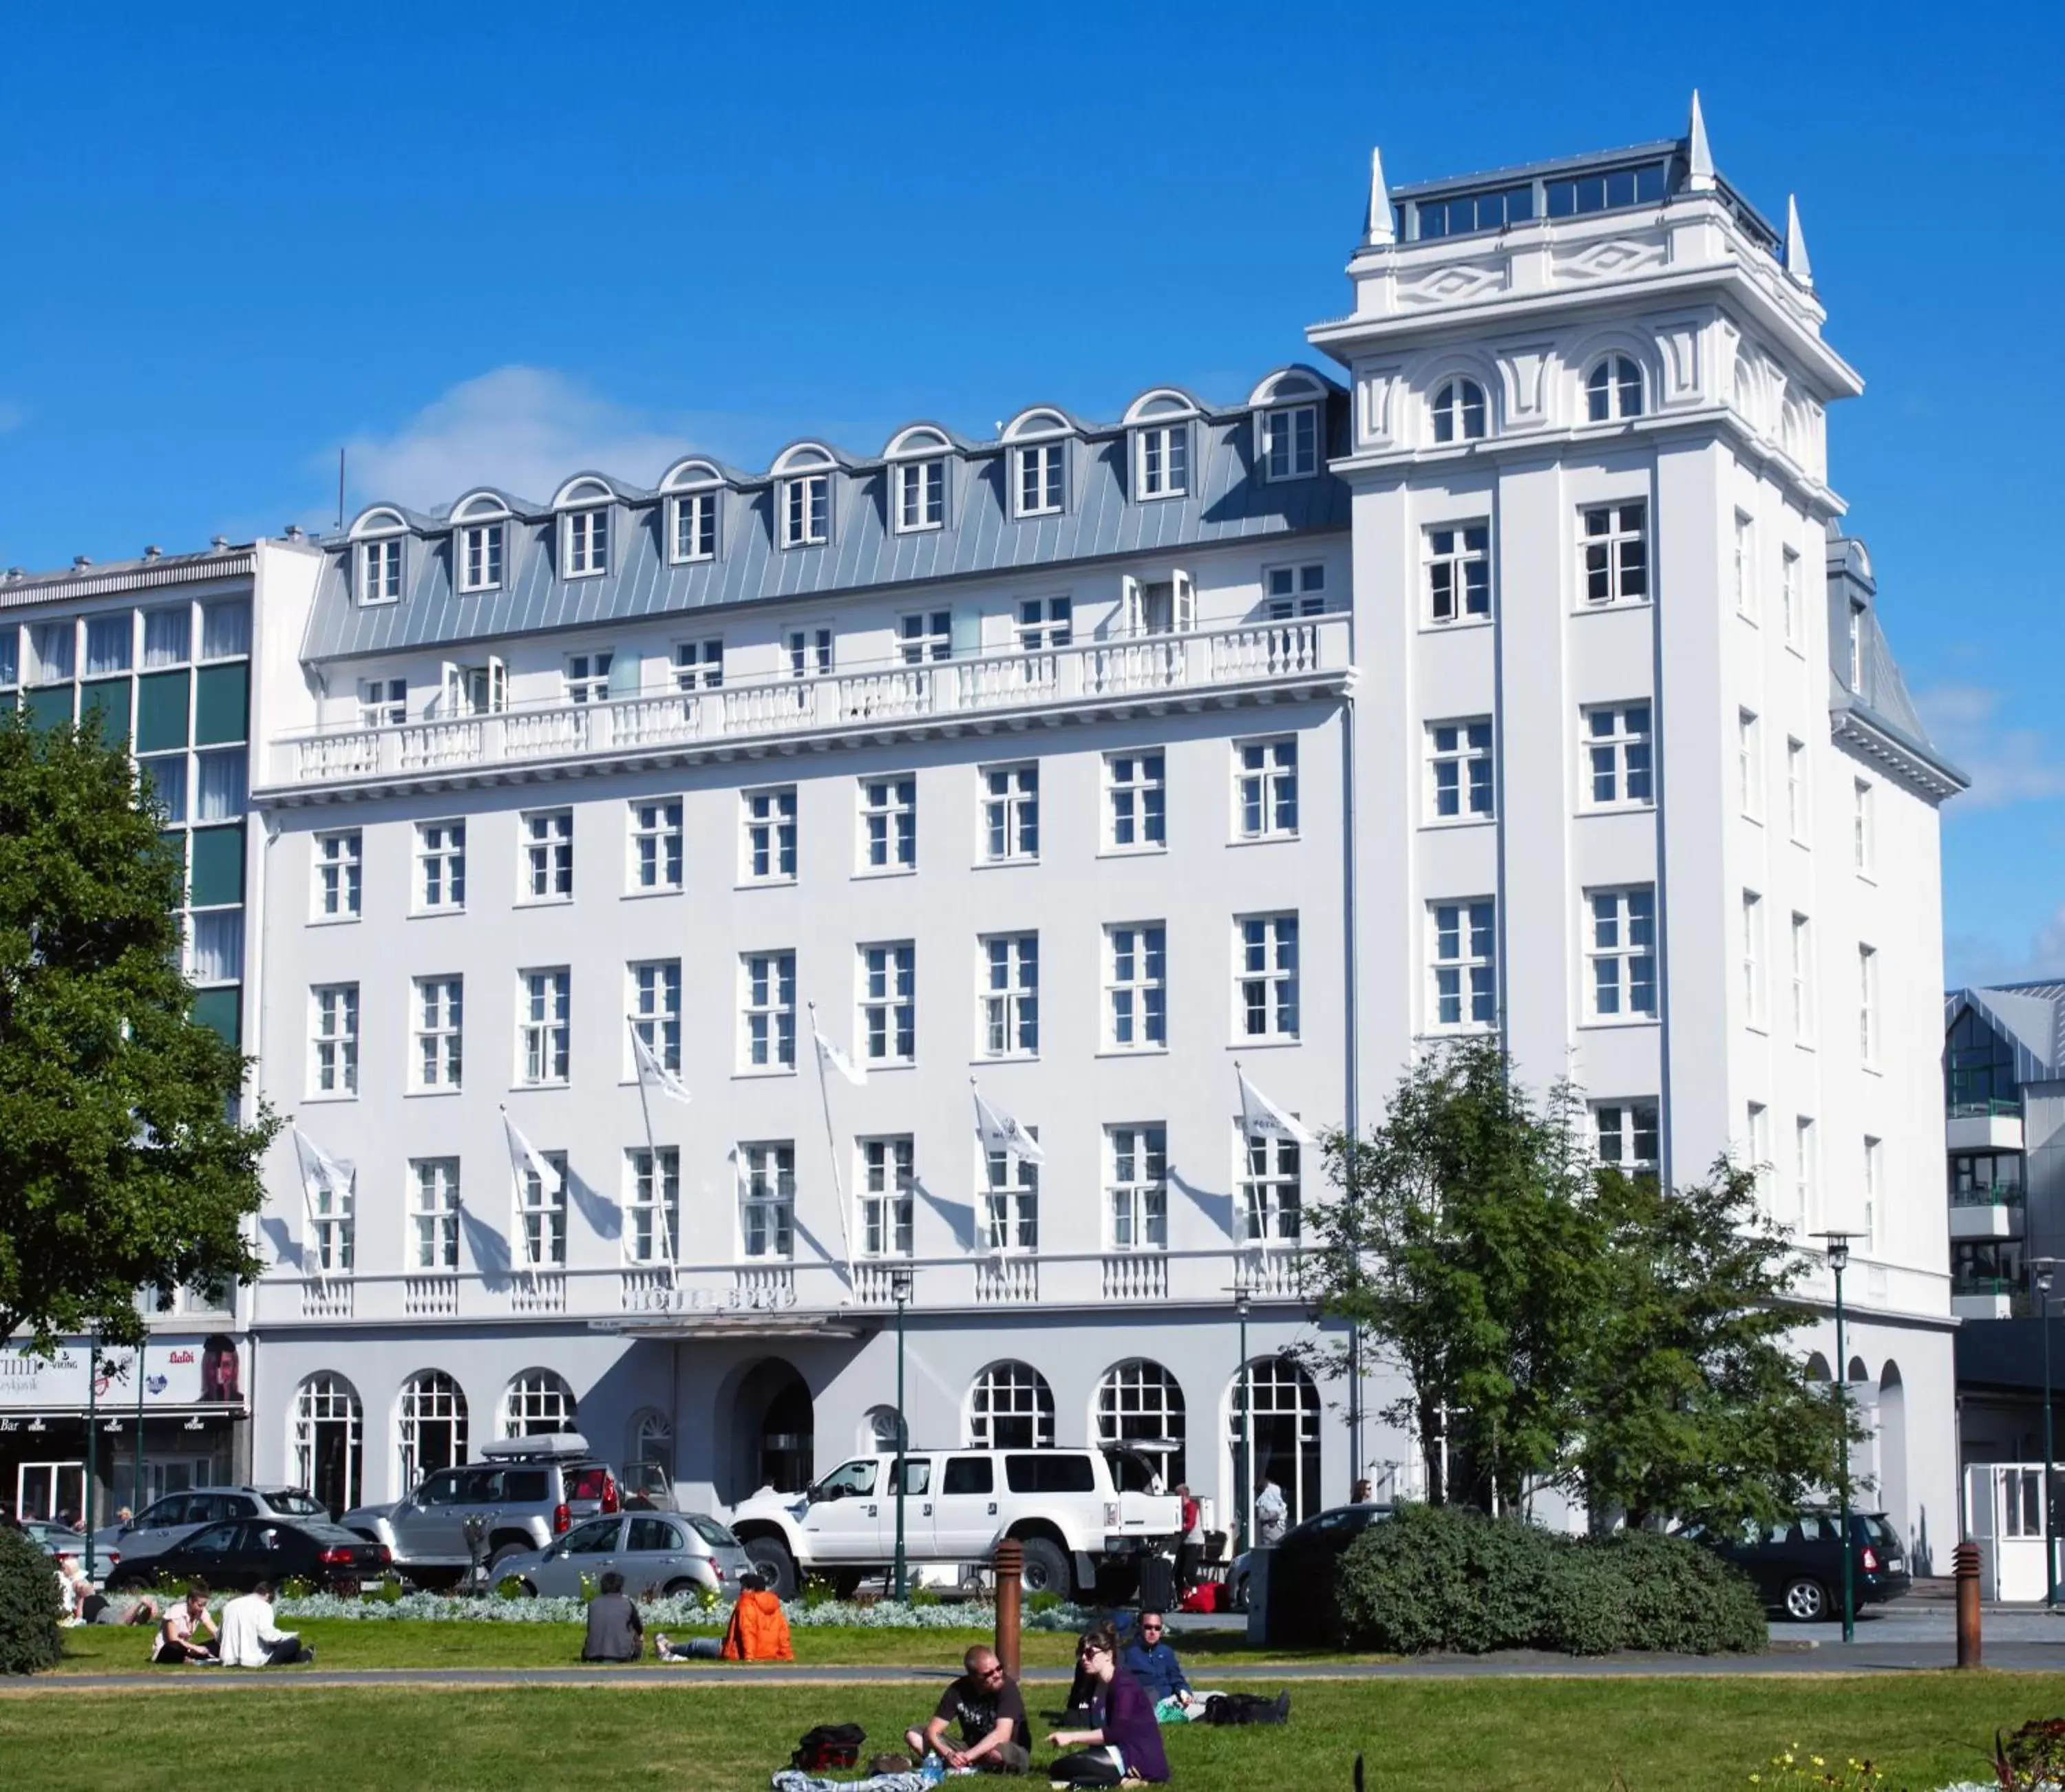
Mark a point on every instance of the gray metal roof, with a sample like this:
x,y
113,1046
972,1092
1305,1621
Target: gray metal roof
x,y
1229,501
142,574
2031,1017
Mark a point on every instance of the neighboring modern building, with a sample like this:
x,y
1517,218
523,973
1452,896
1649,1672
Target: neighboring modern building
x,y
163,650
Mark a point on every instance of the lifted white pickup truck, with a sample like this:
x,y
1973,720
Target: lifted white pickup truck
x,y
1077,1512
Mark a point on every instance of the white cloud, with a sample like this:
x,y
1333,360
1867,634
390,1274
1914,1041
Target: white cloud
x,y
1974,959
525,430
2007,764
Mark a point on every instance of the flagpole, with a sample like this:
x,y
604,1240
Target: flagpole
x,y
831,1146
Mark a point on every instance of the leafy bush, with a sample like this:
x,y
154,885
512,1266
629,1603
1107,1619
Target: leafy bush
x,y
508,1587
1048,1601
818,1591
28,1639
387,1591
1435,1577
921,1598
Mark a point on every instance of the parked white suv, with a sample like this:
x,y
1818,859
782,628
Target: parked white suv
x,y
1075,1511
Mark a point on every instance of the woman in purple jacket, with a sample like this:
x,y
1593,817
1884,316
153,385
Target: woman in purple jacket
x,y
1125,1741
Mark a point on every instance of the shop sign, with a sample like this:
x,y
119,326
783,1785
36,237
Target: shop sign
x,y
177,1371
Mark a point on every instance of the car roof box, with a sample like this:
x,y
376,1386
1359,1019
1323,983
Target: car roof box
x,y
540,1443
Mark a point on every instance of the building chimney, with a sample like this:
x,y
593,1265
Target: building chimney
x,y
152,551
80,562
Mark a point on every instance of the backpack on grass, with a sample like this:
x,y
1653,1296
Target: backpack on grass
x,y
828,1746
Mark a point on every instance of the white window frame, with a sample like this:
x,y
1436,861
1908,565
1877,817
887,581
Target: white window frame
x,y
1459,411
383,702
888,833
1800,961
1290,592
919,500
1624,753
1265,989
1868,1005
1753,973
768,835
338,892
439,882
1758,1117
1457,558
1008,811
1612,554
1136,801
654,866
437,1034
1874,1183
1623,978
652,1203
1161,460
1291,442
810,651
544,1027
1045,623
483,556
1040,468
548,857
1613,389
1265,788
1136,985
1618,1127
1010,1201
1007,995
334,1032
433,1210
1863,830
1136,1203
806,509
1466,977
1788,593
653,1012
767,1013
923,636
1745,565
767,1200
380,570
541,1231
1271,1177
1806,1172
587,675
585,541
886,1174
1749,763
1799,792
699,665
1856,640
886,1032
692,527
331,1227
1460,765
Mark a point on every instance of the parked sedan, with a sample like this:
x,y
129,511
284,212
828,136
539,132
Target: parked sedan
x,y
241,1554
656,1552
180,1515
1332,1529
1798,1565
62,1540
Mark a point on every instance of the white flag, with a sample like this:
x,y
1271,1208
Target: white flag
x,y
830,1057
1000,1132
523,1155
320,1171
653,1074
1261,1118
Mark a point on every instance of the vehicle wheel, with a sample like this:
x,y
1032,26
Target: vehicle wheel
x,y
773,1563
1805,1601
681,1589
501,1555
1047,1569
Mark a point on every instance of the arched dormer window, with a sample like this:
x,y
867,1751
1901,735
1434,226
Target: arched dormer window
x,y
378,553
803,494
917,480
480,542
583,508
694,490
1039,441
1460,413
1290,406
1160,425
1612,390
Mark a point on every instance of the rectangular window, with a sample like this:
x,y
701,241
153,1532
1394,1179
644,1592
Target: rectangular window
x,y
810,652
1459,771
695,525
1618,744
219,787
1802,964
167,636
1463,962
1266,789
1291,442
1760,1144
332,1228
770,835
1797,788
655,1015
1008,1009
433,1213
767,1010
225,629
1624,1136
480,557
440,867
545,1028
1864,842
380,571
1745,567
767,1200
1458,573
1137,1187
1271,1191
1010,1201
337,869
214,954
548,855
889,1002
929,635
806,505
1038,488
440,1014
1868,1004
1806,1177
383,702
698,665
108,643
1045,623
1136,800
1163,456
167,778
10,662
1136,988
1749,763
588,543
1010,814
889,823
1295,591
587,677
886,1176
333,1053
541,1211
52,647
655,844
1620,948
1856,648
1266,976
921,495
653,1205
1615,553
1752,959
1874,1169
1789,595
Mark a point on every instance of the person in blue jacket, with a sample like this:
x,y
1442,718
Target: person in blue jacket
x,y
1150,1660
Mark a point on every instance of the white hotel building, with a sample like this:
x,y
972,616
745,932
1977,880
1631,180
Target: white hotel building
x,y
1519,681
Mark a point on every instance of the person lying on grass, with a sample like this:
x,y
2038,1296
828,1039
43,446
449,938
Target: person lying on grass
x,y
990,1710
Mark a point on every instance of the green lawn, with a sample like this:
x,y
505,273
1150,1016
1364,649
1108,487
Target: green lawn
x,y
1489,1736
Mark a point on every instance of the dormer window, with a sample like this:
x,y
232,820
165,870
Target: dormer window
x,y
1291,442
1612,390
587,540
480,550
1038,484
806,511
695,525
1161,460
380,571
1459,412
921,496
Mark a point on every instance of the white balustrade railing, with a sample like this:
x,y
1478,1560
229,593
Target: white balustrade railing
x,y
327,1298
1009,1280
1136,1276
430,1297
640,1289
538,1291
1136,668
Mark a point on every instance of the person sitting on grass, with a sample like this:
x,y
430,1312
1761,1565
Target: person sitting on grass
x,y
759,1628
1123,1742
991,1711
616,1632
250,1639
1149,1659
81,1602
187,1633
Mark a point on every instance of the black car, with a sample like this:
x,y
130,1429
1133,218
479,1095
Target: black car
x,y
1797,1565
1330,1531
241,1554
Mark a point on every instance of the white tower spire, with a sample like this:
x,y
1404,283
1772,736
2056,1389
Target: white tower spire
x,y
1698,157
1797,262
1378,229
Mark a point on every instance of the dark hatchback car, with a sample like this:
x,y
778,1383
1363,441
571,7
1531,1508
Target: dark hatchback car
x,y
1798,1565
241,1554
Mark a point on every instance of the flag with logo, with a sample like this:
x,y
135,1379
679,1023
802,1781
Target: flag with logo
x,y
524,1155
1261,1118
1001,1132
829,1057
654,1075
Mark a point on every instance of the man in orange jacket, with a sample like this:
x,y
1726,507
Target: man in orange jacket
x,y
759,1628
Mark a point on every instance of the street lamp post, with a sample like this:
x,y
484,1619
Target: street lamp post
x,y
1243,1477
1838,1245
92,1448
2044,1266
899,1289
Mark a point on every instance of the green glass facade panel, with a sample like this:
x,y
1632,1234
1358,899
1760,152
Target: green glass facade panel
x,y
49,704
218,866
220,1008
109,699
161,711
222,704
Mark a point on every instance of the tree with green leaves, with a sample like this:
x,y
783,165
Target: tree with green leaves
x,y
123,1165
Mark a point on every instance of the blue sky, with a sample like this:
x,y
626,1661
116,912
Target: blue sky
x,y
502,243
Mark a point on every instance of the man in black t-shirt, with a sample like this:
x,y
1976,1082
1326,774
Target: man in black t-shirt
x,y
991,1711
